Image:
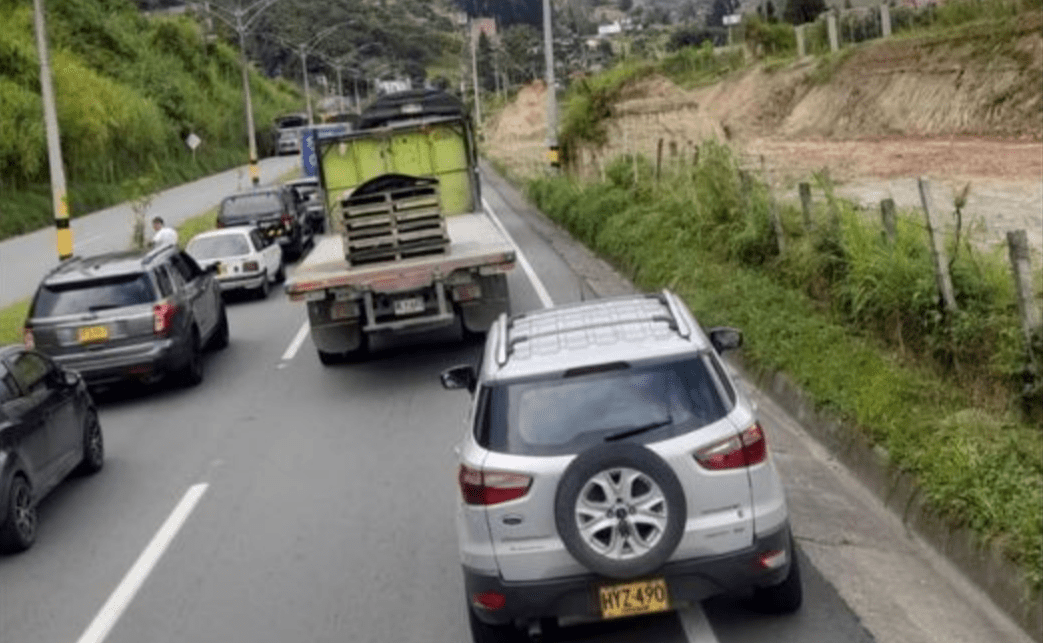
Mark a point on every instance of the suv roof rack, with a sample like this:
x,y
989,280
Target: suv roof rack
x,y
675,321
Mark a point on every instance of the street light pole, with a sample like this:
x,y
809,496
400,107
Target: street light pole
x,y
59,198
243,19
552,99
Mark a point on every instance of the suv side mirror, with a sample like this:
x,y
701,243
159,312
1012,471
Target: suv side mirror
x,y
463,376
724,338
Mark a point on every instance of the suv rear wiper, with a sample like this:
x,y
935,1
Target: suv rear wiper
x,y
637,431
95,309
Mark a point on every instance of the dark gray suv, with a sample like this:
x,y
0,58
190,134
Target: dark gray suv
x,y
129,315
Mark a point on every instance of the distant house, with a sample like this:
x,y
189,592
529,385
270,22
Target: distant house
x,y
610,29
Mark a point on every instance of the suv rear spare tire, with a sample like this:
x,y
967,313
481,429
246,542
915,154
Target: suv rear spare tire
x,y
620,510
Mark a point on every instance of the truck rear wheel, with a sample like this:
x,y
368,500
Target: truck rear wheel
x,y
332,359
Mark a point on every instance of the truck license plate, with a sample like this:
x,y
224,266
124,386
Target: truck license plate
x,y
409,306
629,599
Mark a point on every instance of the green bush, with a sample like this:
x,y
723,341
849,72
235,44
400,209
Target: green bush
x,y
128,90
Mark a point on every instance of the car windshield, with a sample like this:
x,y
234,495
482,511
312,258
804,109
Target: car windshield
x,y
567,414
247,204
225,245
93,296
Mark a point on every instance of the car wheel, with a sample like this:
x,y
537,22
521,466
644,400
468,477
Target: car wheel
x,y
262,290
620,510
19,528
192,373
360,353
220,338
787,596
93,445
482,632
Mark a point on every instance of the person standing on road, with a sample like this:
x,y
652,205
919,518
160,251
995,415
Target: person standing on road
x,y
165,236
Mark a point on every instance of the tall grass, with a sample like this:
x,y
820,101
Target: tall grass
x,y
128,91
854,319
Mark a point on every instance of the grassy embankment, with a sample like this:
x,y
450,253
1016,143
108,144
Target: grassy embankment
x,y
853,319
129,89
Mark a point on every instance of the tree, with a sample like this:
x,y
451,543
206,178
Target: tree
x,y
799,12
625,5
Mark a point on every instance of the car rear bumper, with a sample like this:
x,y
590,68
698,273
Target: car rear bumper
x,y
248,282
576,598
144,362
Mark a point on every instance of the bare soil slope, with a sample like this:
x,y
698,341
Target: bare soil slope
x,y
956,110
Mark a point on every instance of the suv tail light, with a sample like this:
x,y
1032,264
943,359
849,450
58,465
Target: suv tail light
x,y
743,450
28,339
163,317
491,487
287,220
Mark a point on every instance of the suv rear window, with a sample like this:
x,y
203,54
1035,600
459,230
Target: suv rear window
x,y
569,414
92,296
248,204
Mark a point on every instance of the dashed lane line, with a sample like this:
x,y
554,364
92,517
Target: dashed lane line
x,y
537,285
124,593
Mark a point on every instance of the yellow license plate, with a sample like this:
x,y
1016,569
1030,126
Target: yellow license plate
x,y
631,599
93,334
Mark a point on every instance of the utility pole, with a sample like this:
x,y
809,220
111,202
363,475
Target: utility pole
x,y
474,77
552,99
59,198
241,20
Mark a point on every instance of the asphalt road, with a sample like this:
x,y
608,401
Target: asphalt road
x,y
281,500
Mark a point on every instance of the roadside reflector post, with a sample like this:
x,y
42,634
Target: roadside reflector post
x,y
887,216
59,197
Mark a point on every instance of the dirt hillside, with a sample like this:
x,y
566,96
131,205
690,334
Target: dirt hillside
x,y
882,116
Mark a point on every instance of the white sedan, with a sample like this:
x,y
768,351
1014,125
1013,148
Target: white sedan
x,y
244,259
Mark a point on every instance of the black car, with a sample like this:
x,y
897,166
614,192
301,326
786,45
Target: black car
x,y
279,212
129,316
48,429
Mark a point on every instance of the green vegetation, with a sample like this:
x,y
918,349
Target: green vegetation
x,y
128,90
852,318
12,319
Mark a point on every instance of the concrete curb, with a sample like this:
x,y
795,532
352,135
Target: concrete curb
x,y
983,564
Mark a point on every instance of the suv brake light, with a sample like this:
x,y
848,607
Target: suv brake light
x,y
743,450
287,220
28,339
491,487
163,317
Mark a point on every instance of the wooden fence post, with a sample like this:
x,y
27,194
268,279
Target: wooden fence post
x,y
1021,265
885,20
805,205
695,156
658,160
941,260
773,210
831,27
801,47
887,216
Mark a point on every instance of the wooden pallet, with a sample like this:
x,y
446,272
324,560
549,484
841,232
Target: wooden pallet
x,y
394,224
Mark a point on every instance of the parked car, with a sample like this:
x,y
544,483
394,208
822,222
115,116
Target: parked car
x,y
314,201
613,468
129,315
277,211
241,257
48,429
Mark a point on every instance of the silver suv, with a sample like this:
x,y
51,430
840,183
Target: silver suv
x,y
129,315
613,468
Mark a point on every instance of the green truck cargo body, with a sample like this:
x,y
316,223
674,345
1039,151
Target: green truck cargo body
x,y
461,283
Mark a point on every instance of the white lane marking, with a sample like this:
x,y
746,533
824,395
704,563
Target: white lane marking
x,y
124,593
295,345
696,625
541,291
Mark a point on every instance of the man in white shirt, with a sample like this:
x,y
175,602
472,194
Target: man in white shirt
x,y
164,236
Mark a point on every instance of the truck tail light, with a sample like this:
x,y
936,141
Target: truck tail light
x,y
491,487
28,339
743,450
163,317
